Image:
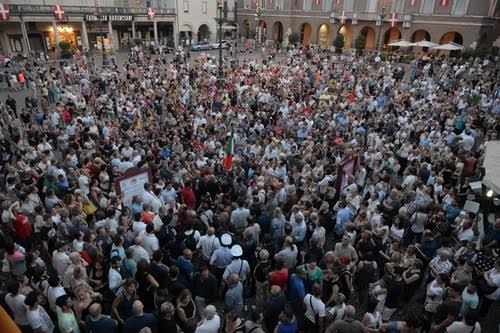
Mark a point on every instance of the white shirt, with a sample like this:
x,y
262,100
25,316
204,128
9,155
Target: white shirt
x,y
209,325
60,262
138,227
114,279
208,245
53,294
318,307
150,243
40,319
16,305
139,253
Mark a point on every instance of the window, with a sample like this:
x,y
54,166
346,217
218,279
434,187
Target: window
x,y
427,6
16,45
185,6
349,6
460,7
327,5
247,4
279,4
398,6
204,7
148,3
307,5
371,6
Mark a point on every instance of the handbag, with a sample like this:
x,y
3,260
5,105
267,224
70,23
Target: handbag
x,y
89,208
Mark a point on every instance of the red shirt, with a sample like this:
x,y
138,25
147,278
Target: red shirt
x,y
188,197
279,278
23,226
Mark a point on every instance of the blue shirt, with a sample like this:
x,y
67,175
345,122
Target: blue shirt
x,y
221,257
344,215
137,208
288,327
101,325
135,324
234,297
296,290
185,266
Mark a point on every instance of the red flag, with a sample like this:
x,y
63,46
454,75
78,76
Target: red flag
x,y
59,11
151,13
317,2
393,18
444,2
4,12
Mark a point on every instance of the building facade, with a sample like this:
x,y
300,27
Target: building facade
x,y
466,22
37,26
197,20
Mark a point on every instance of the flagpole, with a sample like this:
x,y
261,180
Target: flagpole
x,y
382,16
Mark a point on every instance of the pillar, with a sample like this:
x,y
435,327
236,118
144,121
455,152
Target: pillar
x,y
25,36
133,30
176,35
56,34
85,37
110,35
155,28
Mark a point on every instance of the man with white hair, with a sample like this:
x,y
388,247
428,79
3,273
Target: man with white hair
x,y
139,320
211,323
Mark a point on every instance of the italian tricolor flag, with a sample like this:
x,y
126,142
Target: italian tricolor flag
x,y
228,160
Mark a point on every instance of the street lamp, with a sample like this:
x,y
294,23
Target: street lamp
x,y
382,16
220,6
258,13
105,61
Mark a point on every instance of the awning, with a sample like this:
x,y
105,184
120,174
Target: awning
x,y
492,166
229,27
450,46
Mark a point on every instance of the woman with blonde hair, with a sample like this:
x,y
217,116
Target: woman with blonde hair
x,y
185,309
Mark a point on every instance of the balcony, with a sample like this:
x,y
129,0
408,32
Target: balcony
x,y
48,10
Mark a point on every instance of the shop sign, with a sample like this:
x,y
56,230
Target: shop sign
x,y
106,18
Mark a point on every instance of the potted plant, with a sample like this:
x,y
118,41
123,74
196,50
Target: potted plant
x,y
65,52
339,43
293,38
360,43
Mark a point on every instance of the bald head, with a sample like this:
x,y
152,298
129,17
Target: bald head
x,y
137,308
210,231
95,310
233,279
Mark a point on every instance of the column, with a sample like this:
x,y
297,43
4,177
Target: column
x,y
110,35
56,34
25,36
85,37
155,27
176,35
133,30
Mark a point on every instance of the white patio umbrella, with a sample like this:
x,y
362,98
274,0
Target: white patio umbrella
x,y
400,43
424,43
450,47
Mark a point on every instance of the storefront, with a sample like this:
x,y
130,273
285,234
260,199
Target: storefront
x,y
113,31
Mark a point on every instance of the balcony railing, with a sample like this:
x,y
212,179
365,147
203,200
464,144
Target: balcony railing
x,y
44,9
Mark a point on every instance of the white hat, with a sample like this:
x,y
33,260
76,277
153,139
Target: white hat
x,y
236,251
226,239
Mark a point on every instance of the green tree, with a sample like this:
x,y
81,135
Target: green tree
x,y
339,43
293,38
65,46
360,42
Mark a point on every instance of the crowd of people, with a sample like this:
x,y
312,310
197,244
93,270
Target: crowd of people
x,y
280,238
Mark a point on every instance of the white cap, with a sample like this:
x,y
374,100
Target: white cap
x,y
226,239
236,251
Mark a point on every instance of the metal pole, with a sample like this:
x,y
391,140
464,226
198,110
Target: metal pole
x,y
105,61
382,16
221,74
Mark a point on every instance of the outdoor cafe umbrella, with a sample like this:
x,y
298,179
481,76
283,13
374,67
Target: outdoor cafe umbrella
x,y
400,43
424,43
450,47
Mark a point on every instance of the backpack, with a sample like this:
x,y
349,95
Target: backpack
x,y
190,241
